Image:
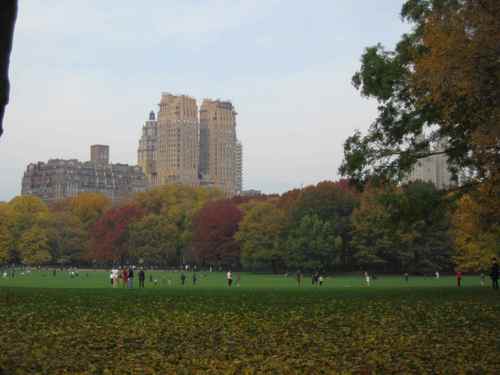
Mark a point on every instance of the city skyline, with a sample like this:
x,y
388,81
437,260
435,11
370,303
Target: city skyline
x,y
94,84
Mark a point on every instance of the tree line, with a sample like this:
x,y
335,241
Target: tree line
x,y
332,226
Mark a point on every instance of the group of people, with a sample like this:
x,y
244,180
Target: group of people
x,y
317,278
125,277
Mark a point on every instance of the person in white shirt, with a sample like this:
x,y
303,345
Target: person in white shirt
x,y
367,278
229,278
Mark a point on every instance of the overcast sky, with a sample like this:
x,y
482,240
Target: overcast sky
x,y
86,72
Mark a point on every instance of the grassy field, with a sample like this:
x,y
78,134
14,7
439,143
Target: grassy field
x,y
63,325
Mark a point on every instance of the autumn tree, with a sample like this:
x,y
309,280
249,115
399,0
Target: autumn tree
x,y
110,234
178,204
261,234
27,211
67,235
6,233
34,247
153,240
476,228
442,79
87,207
215,226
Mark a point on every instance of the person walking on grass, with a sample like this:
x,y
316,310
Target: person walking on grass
x,y
194,278
459,279
142,277
494,274
183,278
299,278
130,284
367,278
482,278
229,277
406,276
125,277
320,279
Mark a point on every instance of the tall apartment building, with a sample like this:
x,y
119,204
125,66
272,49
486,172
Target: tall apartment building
x,y
433,169
147,153
239,168
218,145
59,178
180,147
178,140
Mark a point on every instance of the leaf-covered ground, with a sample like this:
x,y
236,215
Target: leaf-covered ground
x,y
283,330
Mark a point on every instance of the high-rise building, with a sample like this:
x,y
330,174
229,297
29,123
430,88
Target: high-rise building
x,y
239,167
178,140
180,147
433,168
147,153
218,145
59,178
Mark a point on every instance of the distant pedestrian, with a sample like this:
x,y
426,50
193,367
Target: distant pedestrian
x,y
320,279
54,272
298,275
229,277
482,279
130,283
459,278
194,278
494,274
125,277
183,278
406,276
367,278
142,277
238,279
150,278
437,274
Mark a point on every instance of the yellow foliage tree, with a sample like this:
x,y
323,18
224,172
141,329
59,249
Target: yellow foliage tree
x,y
476,227
34,247
6,236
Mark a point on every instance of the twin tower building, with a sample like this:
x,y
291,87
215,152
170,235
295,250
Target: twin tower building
x,y
184,145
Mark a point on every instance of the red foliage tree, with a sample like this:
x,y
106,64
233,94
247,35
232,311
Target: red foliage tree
x,y
109,235
214,228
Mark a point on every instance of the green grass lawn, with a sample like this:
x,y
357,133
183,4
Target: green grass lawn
x,y
60,325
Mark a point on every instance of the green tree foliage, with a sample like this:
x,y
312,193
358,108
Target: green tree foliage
x,y
330,201
153,241
402,229
67,235
34,247
261,235
311,244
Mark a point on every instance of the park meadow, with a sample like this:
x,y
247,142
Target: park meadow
x,y
82,325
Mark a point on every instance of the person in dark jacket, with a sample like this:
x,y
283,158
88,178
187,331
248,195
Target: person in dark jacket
x,y
494,274
130,278
142,277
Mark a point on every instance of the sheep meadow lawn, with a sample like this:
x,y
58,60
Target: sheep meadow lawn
x,y
81,325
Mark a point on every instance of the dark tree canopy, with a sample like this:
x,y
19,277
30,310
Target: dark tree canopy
x,y
8,12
